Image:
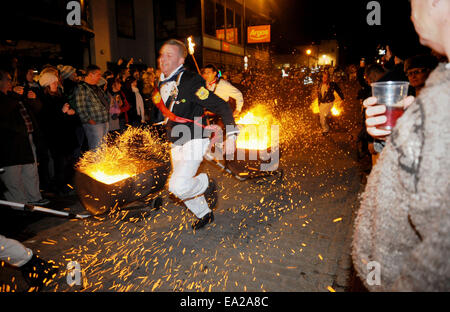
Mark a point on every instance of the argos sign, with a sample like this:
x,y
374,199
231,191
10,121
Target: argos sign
x,y
258,34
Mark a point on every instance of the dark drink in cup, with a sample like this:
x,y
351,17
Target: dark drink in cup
x,y
390,93
392,114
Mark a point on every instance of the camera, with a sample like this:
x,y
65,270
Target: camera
x,y
114,116
381,50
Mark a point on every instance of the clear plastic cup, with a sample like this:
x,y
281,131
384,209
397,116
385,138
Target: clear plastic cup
x,y
390,93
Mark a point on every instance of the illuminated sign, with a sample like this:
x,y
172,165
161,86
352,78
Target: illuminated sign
x,y
225,46
232,35
258,34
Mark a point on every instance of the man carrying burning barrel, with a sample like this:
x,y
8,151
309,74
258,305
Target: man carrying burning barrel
x,y
181,98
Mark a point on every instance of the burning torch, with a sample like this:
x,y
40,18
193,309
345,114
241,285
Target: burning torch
x,y
191,45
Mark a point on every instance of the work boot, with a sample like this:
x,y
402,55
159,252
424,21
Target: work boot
x,y
198,224
38,272
211,194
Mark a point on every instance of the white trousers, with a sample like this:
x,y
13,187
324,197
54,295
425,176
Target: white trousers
x,y
325,109
13,252
183,182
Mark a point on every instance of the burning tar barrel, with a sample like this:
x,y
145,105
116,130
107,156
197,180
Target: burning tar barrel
x,y
257,147
98,197
122,170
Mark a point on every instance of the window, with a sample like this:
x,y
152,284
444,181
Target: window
x,y
192,8
125,18
231,31
166,10
238,25
210,22
220,17
230,18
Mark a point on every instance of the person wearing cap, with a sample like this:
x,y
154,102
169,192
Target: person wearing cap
x,y
417,69
68,72
69,80
18,134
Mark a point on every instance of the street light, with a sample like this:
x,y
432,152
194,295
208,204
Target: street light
x,y
308,52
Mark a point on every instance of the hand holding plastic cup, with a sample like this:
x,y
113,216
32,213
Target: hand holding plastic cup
x,y
390,94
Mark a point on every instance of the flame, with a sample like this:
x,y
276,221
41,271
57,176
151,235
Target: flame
x,y
191,45
129,154
255,129
336,110
108,178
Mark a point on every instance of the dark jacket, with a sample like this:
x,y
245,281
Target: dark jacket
x,y
15,145
193,98
328,97
58,128
132,112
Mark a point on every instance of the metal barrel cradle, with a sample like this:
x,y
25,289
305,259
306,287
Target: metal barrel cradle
x,y
252,165
99,198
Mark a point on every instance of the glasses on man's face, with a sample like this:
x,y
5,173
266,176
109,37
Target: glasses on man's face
x,y
415,72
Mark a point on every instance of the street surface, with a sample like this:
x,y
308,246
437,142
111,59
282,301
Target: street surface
x,y
292,235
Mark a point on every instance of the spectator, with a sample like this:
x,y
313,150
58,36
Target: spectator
x,y
59,128
92,105
114,86
360,74
15,71
18,129
403,223
70,80
394,64
136,114
29,83
49,69
373,73
148,85
417,69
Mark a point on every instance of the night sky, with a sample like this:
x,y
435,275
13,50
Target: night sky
x,y
300,22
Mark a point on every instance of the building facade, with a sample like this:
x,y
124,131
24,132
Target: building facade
x,y
123,29
38,32
218,28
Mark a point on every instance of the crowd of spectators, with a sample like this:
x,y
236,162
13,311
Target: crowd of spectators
x,y
60,112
